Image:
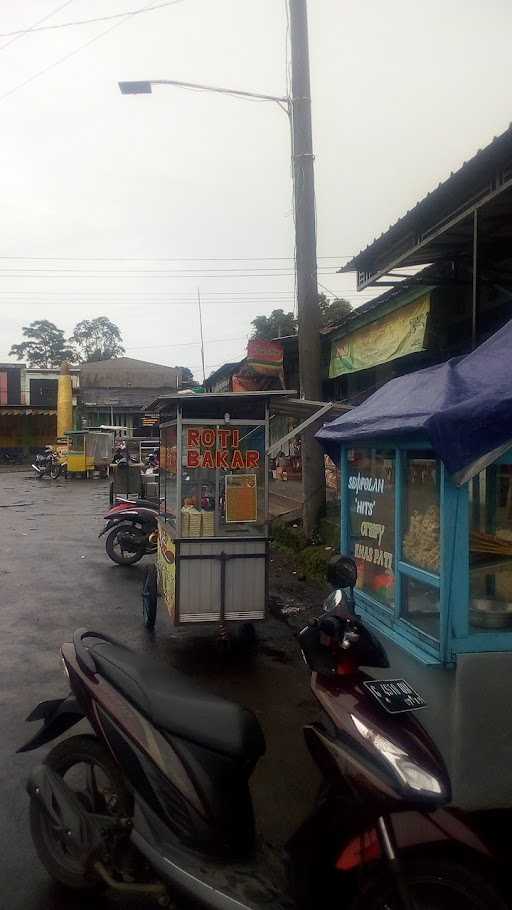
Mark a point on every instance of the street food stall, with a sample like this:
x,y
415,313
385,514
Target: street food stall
x,y
426,512
89,451
213,554
126,470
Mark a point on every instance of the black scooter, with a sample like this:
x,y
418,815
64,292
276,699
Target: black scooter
x,y
157,801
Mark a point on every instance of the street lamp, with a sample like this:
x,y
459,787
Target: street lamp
x,y
146,88
298,110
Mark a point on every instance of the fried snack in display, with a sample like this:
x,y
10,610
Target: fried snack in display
x,y
421,543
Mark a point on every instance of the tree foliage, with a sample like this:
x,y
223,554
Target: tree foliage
x,y
45,345
97,339
277,325
333,311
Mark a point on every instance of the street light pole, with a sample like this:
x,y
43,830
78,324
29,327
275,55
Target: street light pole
x,y
298,109
308,311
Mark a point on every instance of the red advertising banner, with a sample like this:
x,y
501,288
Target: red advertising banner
x,y
265,357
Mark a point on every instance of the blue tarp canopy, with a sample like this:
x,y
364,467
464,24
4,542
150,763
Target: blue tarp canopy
x,y
463,407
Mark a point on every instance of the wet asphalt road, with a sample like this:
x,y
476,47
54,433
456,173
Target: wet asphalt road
x,y
54,578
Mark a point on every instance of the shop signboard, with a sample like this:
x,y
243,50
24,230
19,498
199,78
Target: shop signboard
x,y
371,494
395,335
241,498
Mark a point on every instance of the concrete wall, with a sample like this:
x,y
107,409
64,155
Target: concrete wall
x,y
470,719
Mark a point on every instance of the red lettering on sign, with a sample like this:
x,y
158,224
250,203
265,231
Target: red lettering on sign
x,y
192,458
221,459
193,437
238,460
224,438
235,439
208,461
208,438
252,458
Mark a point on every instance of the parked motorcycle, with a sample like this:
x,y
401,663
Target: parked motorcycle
x,y
49,465
157,801
133,530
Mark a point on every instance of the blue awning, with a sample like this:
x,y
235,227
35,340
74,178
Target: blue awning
x,y
463,407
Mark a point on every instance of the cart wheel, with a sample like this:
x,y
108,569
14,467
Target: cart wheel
x,y
149,597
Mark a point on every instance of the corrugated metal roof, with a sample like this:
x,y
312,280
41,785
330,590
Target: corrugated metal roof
x,y
467,183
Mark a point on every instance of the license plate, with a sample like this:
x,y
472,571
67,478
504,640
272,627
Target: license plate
x,y
395,695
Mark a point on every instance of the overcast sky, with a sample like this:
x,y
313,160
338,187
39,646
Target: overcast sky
x,y
180,190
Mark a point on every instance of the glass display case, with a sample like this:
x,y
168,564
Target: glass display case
x,y
434,559
214,530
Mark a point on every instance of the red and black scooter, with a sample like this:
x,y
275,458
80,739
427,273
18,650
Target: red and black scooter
x,y
156,800
132,527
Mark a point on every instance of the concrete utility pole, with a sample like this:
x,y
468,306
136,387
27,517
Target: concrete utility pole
x,y
313,472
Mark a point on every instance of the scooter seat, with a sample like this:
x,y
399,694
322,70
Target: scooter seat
x,y
175,704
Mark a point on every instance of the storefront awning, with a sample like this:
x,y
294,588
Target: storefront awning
x,y
463,407
306,412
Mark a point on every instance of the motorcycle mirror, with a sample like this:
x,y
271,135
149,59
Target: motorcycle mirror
x,y
342,571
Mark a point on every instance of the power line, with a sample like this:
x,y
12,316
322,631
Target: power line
x,y
47,28
81,47
164,259
19,35
60,270
184,344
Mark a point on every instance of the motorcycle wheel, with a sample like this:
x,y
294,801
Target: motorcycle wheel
x,y
150,597
116,553
434,884
55,471
90,771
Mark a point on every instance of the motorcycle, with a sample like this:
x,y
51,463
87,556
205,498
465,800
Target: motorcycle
x,y
157,801
132,528
49,465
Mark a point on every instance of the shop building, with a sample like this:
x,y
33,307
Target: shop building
x,y
28,408
117,392
426,466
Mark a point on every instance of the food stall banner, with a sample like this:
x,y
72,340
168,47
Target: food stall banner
x,y
246,384
397,334
463,406
265,357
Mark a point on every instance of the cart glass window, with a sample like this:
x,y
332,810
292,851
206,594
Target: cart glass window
x,y
223,480
421,519
490,504
168,474
371,494
421,606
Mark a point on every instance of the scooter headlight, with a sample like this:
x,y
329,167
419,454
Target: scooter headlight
x,y
333,600
411,774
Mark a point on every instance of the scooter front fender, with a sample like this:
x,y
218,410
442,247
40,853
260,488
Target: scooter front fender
x,y
58,715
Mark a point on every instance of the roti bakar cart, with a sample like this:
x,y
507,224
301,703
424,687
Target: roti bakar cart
x,y
213,551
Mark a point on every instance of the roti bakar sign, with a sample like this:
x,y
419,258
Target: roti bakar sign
x,y
219,448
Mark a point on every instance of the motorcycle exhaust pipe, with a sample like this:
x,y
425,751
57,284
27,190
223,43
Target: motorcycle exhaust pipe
x,y
189,884
37,469
150,889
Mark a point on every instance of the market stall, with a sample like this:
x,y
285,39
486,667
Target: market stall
x,y
89,451
126,470
213,554
426,512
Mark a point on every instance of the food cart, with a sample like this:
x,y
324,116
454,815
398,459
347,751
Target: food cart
x,y
127,473
426,512
213,554
89,451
